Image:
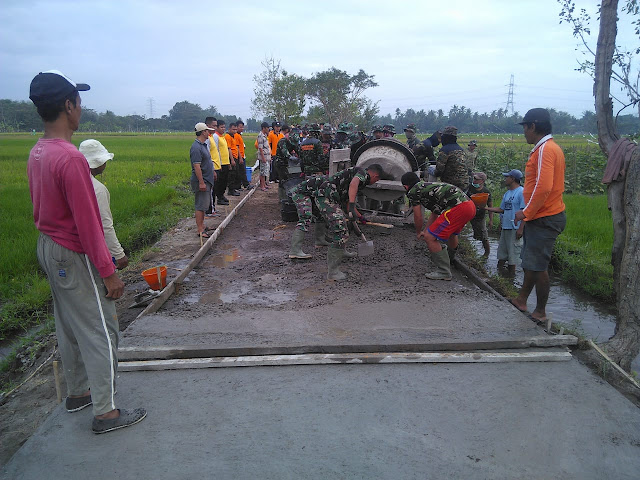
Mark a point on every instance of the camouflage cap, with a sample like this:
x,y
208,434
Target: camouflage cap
x,y
389,128
450,130
350,127
342,128
411,128
354,137
294,137
326,129
314,127
376,128
473,142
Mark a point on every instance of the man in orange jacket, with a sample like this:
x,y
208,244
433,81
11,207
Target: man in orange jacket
x,y
544,211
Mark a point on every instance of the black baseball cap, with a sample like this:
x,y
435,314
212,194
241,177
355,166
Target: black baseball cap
x,y
536,115
52,86
264,125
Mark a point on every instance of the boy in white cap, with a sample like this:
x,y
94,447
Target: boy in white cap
x,y
97,157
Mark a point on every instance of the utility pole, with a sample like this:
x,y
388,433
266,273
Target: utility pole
x,y
510,96
150,102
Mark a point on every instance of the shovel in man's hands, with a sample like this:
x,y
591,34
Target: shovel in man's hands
x,y
365,248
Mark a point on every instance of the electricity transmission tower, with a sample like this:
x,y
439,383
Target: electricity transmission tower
x,y
510,96
150,101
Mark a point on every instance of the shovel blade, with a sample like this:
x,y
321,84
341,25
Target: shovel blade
x,y
365,248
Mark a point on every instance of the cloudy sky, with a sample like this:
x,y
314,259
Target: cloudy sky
x,y
144,56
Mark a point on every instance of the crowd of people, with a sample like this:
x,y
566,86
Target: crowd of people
x,y
80,253
447,185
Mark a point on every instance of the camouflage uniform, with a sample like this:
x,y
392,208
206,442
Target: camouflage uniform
x,y
451,167
327,143
436,197
303,195
331,195
284,153
311,158
412,139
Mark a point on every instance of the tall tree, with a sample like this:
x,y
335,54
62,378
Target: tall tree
x,y
342,95
278,94
623,195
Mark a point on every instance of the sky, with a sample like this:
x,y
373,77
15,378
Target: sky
x,y
141,57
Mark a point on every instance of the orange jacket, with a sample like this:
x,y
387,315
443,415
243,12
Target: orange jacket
x,y
239,143
544,180
273,140
231,143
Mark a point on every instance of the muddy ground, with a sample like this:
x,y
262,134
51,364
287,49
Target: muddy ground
x,y
247,271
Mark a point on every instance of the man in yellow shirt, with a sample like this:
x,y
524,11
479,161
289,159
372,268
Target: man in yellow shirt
x,y
226,161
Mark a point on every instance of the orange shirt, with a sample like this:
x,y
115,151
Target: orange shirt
x,y
273,140
231,143
544,180
239,143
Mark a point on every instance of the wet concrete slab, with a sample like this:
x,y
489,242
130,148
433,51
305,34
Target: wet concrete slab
x,y
475,421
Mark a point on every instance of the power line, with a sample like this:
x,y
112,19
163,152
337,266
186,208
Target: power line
x,y
150,101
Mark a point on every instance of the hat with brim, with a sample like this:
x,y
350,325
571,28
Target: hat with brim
x,y
52,86
95,153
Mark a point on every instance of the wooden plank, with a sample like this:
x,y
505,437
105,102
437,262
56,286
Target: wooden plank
x,y
188,351
345,358
155,305
615,365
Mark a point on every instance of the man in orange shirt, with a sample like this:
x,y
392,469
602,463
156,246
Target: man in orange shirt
x,y
242,160
543,213
234,175
273,138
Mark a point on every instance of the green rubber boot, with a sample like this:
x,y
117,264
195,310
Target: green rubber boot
x,y
334,258
443,267
296,246
319,232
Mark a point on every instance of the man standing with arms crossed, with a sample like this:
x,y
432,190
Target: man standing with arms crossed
x,y
202,175
543,213
73,253
242,159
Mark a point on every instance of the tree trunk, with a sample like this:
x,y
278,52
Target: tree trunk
x,y
624,202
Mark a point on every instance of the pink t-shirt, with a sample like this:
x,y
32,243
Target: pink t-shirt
x,y
64,202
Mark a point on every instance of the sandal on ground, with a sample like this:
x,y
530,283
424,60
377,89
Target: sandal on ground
x,y
511,302
263,189
126,419
78,403
204,234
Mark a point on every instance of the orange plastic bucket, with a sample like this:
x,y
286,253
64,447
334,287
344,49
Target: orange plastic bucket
x,y
156,277
480,199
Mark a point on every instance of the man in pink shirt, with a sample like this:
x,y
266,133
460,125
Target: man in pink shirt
x,y
73,253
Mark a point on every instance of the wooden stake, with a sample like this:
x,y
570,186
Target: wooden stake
x,y
615,365
56,376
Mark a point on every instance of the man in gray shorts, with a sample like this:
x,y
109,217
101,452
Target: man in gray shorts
x,y
202,174
544,210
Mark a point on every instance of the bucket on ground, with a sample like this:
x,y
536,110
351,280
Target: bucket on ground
x,y
156,277
480,199
249,173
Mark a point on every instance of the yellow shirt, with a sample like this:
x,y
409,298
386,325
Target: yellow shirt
x,y
223,148
214,153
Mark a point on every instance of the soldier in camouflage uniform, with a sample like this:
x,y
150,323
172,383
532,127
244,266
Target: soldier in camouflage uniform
x,y
311,159
327,142
342,137
412,139
451,166
424,153
450,208
328,194
288,148
303,195
470,157
376,133
388,131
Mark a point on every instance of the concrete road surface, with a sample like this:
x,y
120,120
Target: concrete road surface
x,y
469,421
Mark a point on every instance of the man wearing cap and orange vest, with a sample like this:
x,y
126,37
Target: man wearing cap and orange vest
x,y
544,211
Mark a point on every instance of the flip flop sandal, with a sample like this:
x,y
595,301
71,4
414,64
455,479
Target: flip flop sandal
x,y
204,234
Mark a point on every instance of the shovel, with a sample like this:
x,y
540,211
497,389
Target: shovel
x,y
365,248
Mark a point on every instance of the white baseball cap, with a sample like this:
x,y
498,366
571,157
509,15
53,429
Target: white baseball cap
x,y
202,126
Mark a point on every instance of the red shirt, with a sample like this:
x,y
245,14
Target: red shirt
x,y
64,201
